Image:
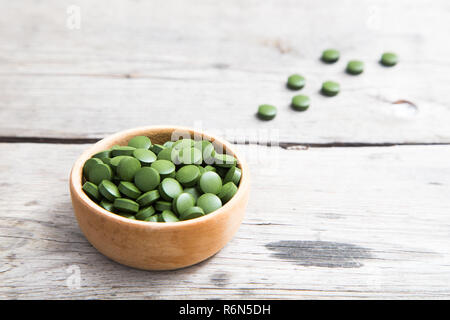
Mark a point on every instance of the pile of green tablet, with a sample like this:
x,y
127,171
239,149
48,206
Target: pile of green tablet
x,y
178,180
329,88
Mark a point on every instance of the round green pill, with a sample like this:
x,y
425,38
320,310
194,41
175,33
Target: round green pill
x,y
170,189
88,165
267,112
126,205
229,189
233,175
296,82
224,160
109,190
146,179
210,182
300,102
100,172
140,142
330,55
355,67
127,168
389,59
183,202
91,190
188,175
148,198
330,88
129,189
146,157
145,213
122,151
191,213
209,202
163,205
169,216
164,167
107,205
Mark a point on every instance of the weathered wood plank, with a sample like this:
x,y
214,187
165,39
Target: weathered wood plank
x,y
321,223
158,62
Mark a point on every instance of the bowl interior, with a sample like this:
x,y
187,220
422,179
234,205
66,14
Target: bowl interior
x,y
158,135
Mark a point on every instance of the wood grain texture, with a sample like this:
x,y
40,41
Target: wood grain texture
x,y
321,223
210,64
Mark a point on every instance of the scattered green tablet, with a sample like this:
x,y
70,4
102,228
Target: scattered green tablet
x,y
267,112
330,88
296,82
355,67
300,102
389,59
330,55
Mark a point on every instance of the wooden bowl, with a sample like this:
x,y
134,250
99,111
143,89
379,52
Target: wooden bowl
x,y
153,245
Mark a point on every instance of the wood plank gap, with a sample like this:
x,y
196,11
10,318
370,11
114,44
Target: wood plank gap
x,y
48,140
306,145
284,145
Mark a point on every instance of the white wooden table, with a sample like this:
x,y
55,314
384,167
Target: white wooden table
x,y
352,200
